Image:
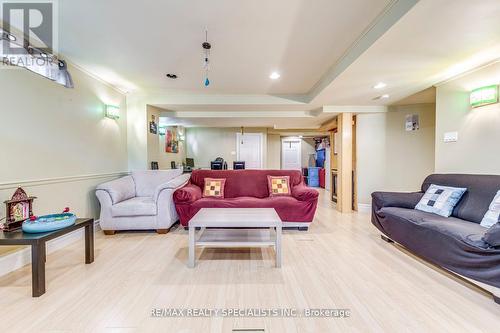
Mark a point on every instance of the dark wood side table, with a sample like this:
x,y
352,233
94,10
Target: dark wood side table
x,y
38,250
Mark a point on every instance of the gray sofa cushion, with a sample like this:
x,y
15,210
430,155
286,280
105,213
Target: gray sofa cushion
x,y
492,216
147,181
492,236
119,189
481,190
464,231
138,206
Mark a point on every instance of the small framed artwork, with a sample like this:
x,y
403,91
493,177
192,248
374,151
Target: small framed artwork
x,y
153,127
412,123
171,140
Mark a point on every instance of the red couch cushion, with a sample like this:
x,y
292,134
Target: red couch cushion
x,y
245,183
245,202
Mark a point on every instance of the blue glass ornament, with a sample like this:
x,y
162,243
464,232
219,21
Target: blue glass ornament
x,y
207,82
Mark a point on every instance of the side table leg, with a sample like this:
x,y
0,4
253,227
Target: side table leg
x,y
191,261
38,269
89,243
277,246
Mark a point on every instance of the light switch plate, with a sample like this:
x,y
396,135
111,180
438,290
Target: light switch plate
x,y
450,137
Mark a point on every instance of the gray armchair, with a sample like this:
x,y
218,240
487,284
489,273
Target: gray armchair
x,y
141,201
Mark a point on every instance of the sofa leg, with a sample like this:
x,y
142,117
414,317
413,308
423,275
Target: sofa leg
x,y
387,239
109,232
162,231
303,228
496,299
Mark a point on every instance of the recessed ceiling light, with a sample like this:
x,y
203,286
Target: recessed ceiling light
x,y
172,76
274,76
381,97
379,85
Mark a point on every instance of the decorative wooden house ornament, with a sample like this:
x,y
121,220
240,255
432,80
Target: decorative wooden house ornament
x,y
18,209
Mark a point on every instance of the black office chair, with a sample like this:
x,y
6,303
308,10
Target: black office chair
x,y
216,165
238,165
154,166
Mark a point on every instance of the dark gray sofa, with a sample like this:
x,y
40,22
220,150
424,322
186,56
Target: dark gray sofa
x,y
457,243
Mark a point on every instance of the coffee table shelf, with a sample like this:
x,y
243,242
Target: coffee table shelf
x,y
235,227
235,238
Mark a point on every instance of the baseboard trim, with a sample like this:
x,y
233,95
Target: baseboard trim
x,y
15,260
364,208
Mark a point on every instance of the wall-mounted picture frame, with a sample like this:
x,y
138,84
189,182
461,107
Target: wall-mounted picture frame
x,y
153,127
412,122
171,140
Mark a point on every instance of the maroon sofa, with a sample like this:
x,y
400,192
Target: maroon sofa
x,y
249,189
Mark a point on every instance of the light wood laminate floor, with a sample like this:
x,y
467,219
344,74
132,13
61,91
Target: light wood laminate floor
x,y
341,262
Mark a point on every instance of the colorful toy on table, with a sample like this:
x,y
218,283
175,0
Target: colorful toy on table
x,y
48,223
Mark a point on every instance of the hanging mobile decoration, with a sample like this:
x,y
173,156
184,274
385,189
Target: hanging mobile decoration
x,y
206,61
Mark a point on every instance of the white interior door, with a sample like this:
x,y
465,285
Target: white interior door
x,y
291,157
249,150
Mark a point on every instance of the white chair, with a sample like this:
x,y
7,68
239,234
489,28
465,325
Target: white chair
x,y
141,201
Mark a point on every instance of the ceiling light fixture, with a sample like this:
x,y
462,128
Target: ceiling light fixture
x,y
384,96
380,85
274,76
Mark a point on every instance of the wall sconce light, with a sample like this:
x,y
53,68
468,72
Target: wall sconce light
x,y
112,111
484,96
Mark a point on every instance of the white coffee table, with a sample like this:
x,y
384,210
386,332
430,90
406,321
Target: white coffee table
x,y
244,219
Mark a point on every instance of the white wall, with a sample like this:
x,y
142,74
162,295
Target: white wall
x,y
137,133
274,151
204,144
388,158
156,145
477,149
307,148
56,142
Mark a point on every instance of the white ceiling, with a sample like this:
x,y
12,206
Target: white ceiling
x,y
329,53
140,41
434,41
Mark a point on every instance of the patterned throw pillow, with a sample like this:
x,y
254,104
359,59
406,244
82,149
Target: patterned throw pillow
x,y
279,185
492,216
440,200
214,188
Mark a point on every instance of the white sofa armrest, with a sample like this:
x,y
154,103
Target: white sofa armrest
x,y
167,215
119,189
172,184
105,216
